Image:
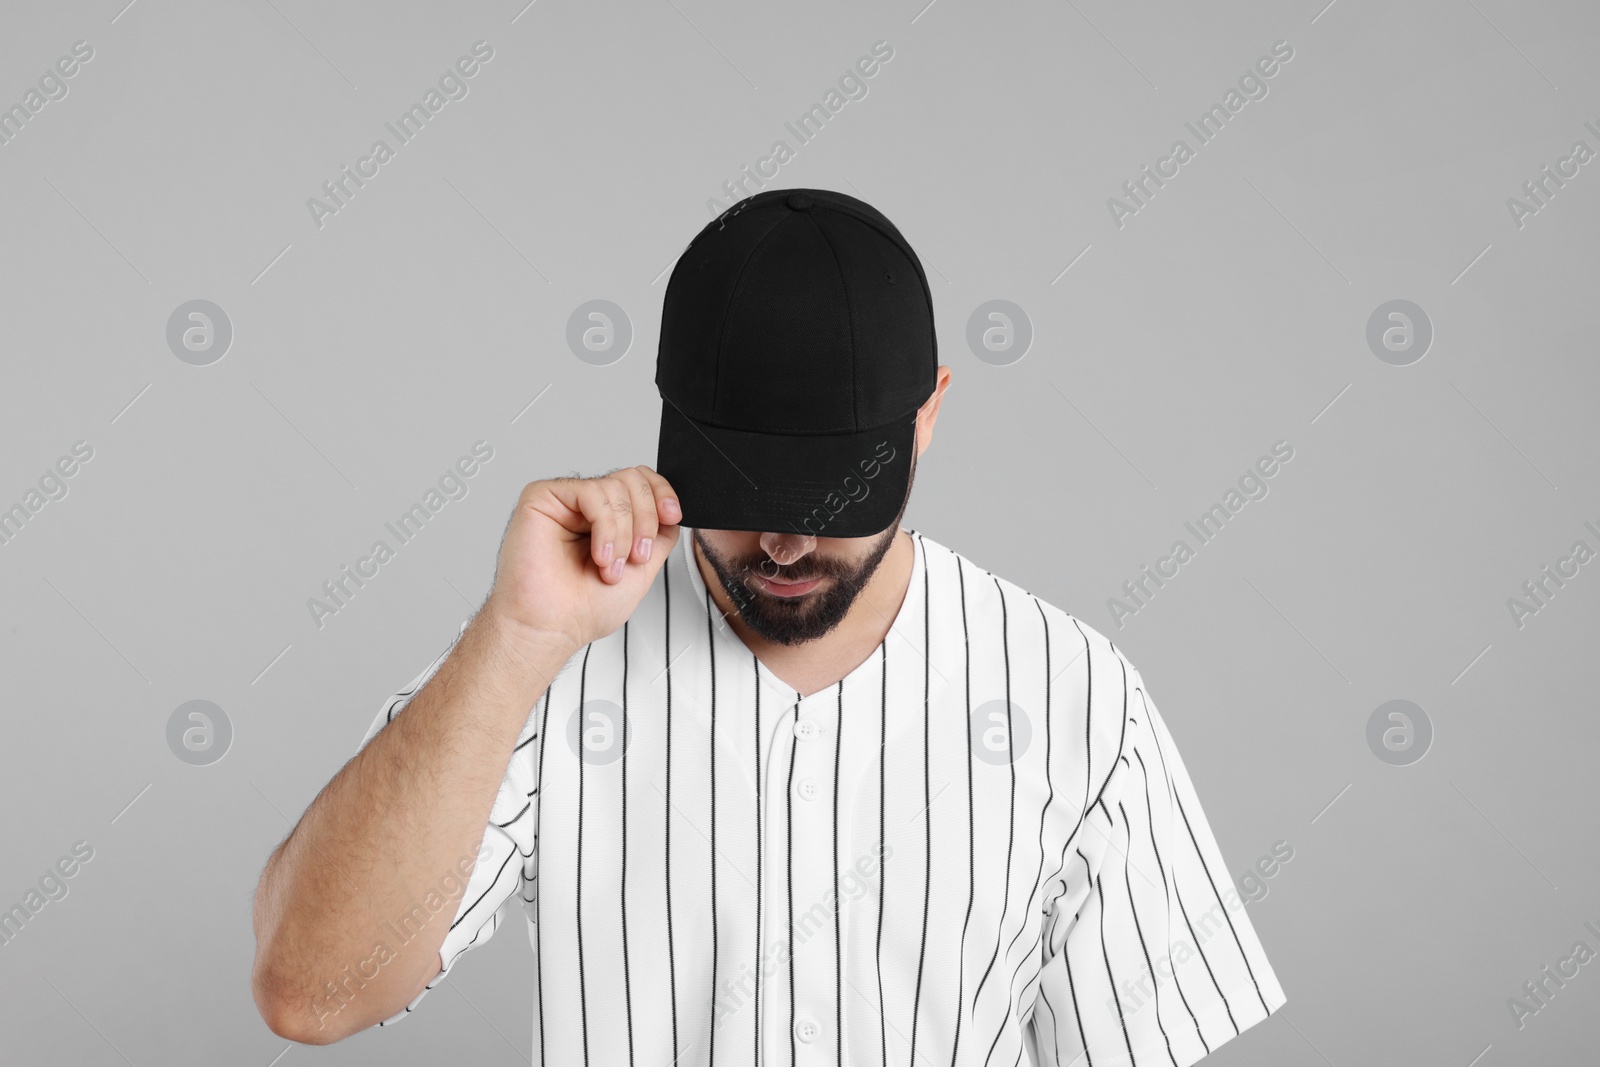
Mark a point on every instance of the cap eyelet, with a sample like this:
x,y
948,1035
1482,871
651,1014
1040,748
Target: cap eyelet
x,y
888,277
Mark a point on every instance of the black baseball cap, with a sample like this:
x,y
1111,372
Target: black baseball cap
x,y
797,343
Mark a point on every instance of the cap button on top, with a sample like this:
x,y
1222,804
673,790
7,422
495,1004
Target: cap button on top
x,y
799,201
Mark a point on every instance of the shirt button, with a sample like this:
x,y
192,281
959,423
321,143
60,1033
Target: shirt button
x,y
807,788
805,729
807,1030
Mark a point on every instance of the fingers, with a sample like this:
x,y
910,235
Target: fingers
x,y
622,512
643,502
611,535
642,508
666,500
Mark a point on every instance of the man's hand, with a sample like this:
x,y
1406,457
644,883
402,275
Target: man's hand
x,y
579,553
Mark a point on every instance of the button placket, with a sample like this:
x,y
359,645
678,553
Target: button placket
x,y
776,802
811,818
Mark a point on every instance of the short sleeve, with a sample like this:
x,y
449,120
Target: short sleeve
x,y
503,874
1148,955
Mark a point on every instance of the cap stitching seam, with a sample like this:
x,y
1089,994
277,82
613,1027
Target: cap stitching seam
x,y
896,238
850,315
835,432
733,291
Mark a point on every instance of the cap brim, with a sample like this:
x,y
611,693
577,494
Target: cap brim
x,y
833,485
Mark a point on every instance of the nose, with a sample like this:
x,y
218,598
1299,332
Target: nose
x,y
785,548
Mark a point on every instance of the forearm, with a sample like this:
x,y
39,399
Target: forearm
x,y
386,829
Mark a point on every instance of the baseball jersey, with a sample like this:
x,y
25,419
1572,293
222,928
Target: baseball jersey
x,y
980,841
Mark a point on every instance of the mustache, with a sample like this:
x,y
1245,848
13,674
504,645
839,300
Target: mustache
x,y
801,570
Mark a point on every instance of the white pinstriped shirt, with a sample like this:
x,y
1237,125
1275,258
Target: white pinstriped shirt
x,y
981,840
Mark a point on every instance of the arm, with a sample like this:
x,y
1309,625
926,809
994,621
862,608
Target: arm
x,y
416,799
383,832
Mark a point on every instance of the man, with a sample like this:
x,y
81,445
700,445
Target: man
x,y
803,787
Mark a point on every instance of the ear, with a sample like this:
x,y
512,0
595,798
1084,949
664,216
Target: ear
x,y
928,414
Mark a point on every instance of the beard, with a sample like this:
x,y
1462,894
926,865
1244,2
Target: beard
x,y
797,620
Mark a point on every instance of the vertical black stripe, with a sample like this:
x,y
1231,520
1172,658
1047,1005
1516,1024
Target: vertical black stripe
x,y
1088,760
927,806
788,813
838,904
1050,795
627,978
883,873
1005,902
711,650
1204,866
1100,890
1127,881
972,870
1201,949
1088,722
1110,976
1245,956
538,897
1011,821
1072,990
1166,888
1088,747
583,996
1177,888
672,963
1055,1026
1083,816
755,669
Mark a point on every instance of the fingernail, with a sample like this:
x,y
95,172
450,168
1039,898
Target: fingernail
x,y
616,568
605,553
644,547
671,504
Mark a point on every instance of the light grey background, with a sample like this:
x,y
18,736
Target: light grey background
x,y
1228,314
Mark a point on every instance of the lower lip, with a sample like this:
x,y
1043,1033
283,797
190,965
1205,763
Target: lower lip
x,y
797,589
